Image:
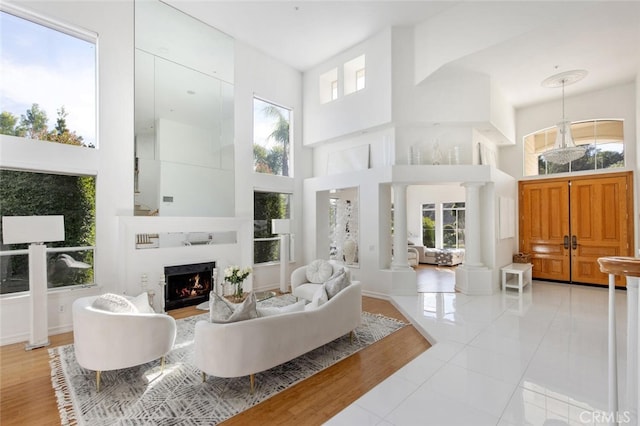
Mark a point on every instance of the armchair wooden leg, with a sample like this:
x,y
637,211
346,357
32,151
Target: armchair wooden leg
x,y
252,380
204,377
98,375
162,363
352,334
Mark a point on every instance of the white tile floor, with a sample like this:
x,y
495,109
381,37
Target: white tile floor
x,y
535,359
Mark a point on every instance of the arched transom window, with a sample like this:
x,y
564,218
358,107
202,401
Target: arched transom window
x,y
603,140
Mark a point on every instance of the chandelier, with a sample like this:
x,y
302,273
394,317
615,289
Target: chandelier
x,y
564,149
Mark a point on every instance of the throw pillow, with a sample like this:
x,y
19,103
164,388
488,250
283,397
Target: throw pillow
x,y
336,283
319,298
141,302
276,310
221,311
319,271
113,303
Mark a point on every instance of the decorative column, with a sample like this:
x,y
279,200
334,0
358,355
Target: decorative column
x,y
400,257
473,277
472,238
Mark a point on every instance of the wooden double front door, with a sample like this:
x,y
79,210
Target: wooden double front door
x,y
567,224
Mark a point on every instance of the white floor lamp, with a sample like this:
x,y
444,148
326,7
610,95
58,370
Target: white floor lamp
x,y
35,230
282,227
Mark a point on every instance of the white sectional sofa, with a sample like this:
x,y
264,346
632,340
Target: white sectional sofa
x,y
247,347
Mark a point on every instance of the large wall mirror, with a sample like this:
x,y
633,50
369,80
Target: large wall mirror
x,y
184,157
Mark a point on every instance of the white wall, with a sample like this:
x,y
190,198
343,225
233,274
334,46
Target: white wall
x,y
113,21
118,266
366,108
262,76
447,102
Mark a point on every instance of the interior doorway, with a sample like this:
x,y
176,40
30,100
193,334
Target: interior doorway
x,y
566,224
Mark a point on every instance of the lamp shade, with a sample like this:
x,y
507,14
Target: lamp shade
x,y
280,226
32,229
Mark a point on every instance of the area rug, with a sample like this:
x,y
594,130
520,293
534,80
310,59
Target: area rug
x,y
177,395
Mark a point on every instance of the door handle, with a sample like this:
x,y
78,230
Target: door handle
x,y
566,242
574,242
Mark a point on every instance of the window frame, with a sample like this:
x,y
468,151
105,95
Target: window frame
x,y
273,237
289,143
533,158
439,210
71,31
57,272
57,158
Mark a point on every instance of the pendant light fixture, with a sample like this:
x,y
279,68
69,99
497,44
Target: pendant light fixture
x,y
564,150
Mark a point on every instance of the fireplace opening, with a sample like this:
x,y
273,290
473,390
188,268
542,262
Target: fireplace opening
x,y
187,285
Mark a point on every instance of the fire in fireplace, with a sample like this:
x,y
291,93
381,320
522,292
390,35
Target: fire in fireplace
x,y
187,285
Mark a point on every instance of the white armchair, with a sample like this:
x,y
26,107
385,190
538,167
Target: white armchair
x,y
106,340
302,288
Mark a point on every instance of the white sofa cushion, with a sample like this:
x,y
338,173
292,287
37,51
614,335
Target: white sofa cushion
x,y
319,298
277,310
114,303
306,291
319,271
337,282
221,311
141,302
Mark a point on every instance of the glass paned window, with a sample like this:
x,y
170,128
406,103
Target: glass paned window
x,y
334,90
271,139
453,222
429,225
70,262
603,141
360,79
268,206
48,85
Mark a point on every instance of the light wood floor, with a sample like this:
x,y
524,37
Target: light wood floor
x,y
27,398
435,279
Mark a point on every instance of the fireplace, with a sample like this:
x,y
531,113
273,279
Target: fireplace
x,y
187,285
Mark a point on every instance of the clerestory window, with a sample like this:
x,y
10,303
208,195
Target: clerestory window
x,y
48,84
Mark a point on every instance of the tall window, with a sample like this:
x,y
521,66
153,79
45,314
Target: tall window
x,y
429,225
453,225
48,85
267,206
70,262
48,93
271,138
602,139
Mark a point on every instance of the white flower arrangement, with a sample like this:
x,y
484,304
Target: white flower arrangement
x,y
236,275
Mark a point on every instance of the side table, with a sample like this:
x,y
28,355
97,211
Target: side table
x,y
522,272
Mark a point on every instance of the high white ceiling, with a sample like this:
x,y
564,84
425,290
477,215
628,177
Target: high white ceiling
x,y
537,39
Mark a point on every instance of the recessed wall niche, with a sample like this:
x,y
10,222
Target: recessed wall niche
x,y
344,226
